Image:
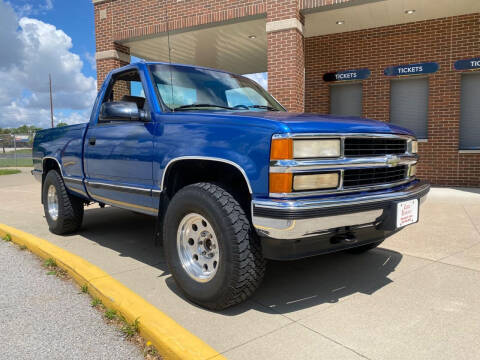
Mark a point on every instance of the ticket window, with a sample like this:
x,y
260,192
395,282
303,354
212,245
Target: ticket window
x,y
409,105
470,112
346,99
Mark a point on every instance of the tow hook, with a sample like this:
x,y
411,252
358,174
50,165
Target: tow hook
x,y
347,238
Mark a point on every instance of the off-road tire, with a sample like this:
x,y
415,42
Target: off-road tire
x,y
364,248
70,208
241,265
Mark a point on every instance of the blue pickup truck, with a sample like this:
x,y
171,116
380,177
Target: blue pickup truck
x,y
232,178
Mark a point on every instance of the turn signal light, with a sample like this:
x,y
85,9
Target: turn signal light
x,y
280,182
282,149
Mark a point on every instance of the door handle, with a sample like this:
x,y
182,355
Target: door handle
x,y
92,140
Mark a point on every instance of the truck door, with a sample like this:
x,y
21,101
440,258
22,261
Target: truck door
x,y
118,154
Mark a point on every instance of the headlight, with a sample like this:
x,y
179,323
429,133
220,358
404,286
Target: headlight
x,y
325,148
315,181
414,146
286,149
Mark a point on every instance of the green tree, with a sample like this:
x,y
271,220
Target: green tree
x,y
24,129
60,124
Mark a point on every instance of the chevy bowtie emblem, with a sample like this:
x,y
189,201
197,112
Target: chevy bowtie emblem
x,y
392,160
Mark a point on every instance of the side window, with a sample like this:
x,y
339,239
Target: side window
x,y
128,87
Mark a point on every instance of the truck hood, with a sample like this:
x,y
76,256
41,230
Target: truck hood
x,y
315,123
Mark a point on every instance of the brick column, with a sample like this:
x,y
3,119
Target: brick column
x,y
109,54
286,59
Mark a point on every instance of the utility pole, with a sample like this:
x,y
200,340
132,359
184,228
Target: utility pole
x,y
15,148
51,100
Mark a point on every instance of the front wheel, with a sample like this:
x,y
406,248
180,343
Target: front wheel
x,y
64,212
212,252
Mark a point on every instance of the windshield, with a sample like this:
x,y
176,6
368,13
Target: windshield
x,y
203,89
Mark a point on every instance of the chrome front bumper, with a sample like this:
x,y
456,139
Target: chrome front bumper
x,y
297,219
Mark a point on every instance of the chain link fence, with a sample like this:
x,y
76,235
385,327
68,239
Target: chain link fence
x,y
16,150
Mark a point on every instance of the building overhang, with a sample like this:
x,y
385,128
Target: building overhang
x,y
236,46
367,14
239,44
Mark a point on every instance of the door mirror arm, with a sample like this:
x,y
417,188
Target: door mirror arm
x,y
143,116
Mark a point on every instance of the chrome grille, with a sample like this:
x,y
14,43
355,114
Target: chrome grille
x,y
364,146
353,178
367,162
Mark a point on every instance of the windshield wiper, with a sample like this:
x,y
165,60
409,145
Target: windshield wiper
x,y
203,105
263,107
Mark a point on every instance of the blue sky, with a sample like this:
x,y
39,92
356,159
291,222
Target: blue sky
x,y
44,37
74,17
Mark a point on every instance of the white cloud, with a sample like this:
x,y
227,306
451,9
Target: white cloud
x,y
39,49
260,78
91,60
23,115
26,8
8,34
72,118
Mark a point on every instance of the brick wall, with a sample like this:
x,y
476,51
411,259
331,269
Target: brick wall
x,y
443,41
104,39
127,19
286,70
289,55
147,17
311,4
104,66
117,20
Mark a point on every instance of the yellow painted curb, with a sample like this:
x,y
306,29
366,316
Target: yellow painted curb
x,y
171,340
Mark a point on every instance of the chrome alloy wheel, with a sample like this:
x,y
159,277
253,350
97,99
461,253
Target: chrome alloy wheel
x,y
52,202
197,247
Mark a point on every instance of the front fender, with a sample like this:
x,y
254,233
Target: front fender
x,y
244,145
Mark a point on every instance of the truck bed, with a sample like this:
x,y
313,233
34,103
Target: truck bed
x,y
65,145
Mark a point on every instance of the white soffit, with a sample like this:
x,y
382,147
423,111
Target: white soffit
x,y
227,47
384,13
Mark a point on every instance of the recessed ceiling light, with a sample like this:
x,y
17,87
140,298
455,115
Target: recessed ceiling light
x,y
252,36
410,12
340,22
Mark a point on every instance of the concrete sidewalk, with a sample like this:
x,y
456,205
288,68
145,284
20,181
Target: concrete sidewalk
x,y
416,297
44,317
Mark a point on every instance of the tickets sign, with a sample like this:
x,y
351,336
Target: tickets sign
x,y
467,64
347,75
412,69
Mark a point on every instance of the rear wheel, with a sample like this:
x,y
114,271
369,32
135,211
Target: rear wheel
x,y
364,248
212,252
64,212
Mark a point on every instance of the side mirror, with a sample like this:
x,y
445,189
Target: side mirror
x,y
121,111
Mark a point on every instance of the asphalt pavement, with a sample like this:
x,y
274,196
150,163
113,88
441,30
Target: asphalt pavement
x,y
44,317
